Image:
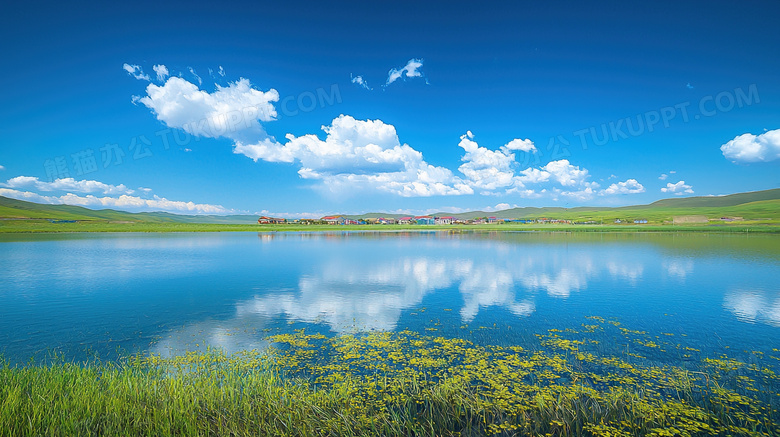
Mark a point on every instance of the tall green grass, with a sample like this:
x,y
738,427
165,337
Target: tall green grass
x,y
396,384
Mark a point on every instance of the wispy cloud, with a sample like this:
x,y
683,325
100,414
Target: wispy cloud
x,y
162,72
194,74
136,71
358,80
410,70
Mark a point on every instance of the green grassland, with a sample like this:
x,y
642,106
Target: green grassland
x,y
751,212
560,383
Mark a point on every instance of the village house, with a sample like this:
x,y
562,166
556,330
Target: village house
x,y
385,221
424,220
334,220
404,220
263,220
443,220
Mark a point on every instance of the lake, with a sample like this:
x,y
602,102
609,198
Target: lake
x,y
106,295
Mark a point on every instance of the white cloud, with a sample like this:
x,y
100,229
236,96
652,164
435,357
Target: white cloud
x,y
663,176
534,176
359,153
753,148
678,188
2,168
66,184
358,80
411,69
630,186
522,145
136,71
162,72
578,195
567,174
192,72
124,202
484,168
221,71
229,111
498,207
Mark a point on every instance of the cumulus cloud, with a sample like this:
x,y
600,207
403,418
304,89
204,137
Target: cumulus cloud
x,y
663,177
359,153
630,186
753,148
566,174
230,111
358,80
136,71
678,188
490,170
162,72
411,69
484,168
66,184
522,145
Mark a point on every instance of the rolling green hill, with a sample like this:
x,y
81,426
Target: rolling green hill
x,y
756,205
19,209
751,205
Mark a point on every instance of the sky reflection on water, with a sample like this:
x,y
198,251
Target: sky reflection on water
x,y
176,292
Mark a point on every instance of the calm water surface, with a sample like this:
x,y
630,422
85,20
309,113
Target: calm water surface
x,y
83,295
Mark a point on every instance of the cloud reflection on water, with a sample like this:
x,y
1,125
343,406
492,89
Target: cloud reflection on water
x,y
754,306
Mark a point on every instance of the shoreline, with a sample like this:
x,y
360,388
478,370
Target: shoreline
x,y
29,227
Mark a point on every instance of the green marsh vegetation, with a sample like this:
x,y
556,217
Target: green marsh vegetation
x,y
600,380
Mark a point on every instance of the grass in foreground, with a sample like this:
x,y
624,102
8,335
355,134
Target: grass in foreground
x,y
403,384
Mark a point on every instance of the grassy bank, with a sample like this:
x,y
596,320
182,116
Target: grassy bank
x,y
403,384
33,226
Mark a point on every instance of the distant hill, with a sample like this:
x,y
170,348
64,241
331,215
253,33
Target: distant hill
x,y
719,201
20,209
752,205
755,204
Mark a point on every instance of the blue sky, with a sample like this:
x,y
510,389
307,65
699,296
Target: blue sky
x,y
300,109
